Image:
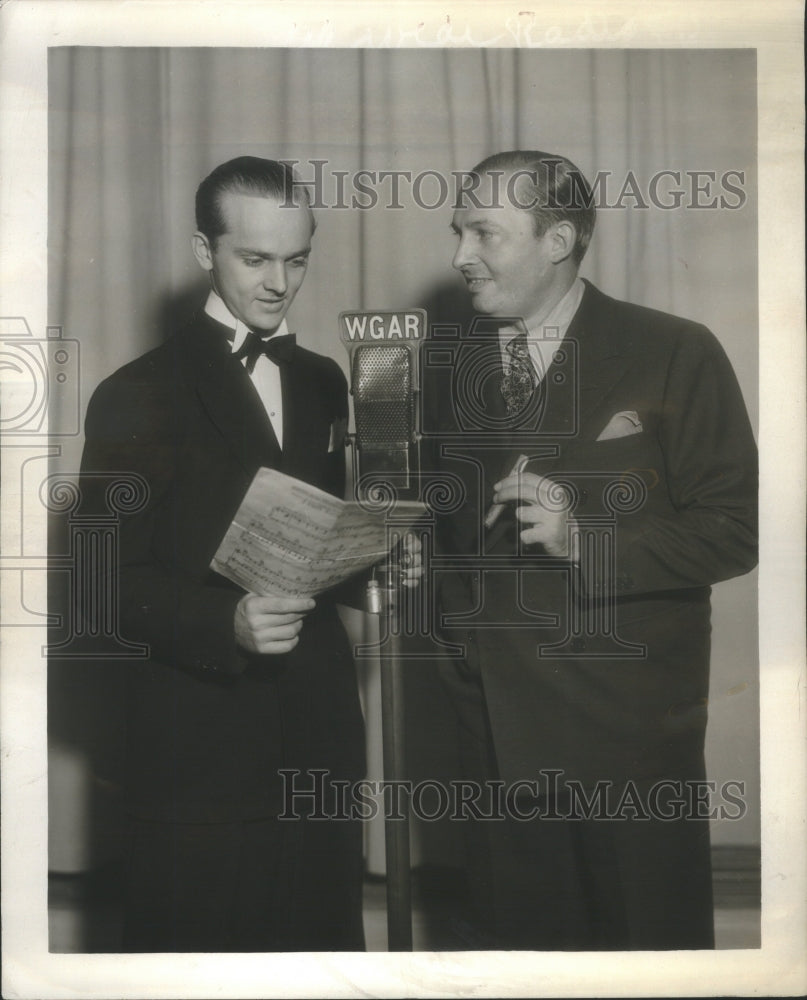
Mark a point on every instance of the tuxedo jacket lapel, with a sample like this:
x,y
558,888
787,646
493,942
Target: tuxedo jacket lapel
x,y
298,425
230,399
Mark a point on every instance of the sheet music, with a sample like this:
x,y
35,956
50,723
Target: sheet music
x,y
289,538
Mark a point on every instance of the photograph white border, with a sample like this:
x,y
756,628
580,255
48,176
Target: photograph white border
x,y
774,29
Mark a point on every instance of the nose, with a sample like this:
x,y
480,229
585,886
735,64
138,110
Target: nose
x,y
463,255
274,277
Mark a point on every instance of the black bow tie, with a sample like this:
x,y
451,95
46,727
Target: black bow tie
x,y
278,349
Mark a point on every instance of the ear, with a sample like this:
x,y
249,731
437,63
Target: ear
x,y
202,251
563,236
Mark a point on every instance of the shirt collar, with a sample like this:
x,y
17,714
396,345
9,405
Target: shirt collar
x,y
558,319
216,309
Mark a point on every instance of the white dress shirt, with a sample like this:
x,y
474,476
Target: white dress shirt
x,y
266,373
544,334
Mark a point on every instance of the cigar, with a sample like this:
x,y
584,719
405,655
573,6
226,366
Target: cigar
x,y
495,510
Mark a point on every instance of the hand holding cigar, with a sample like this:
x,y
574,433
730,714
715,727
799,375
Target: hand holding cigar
x,y
495,510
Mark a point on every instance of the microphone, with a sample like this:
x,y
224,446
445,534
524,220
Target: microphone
x,y
383,352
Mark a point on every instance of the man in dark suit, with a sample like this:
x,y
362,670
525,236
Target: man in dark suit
x,y
577,580
236,687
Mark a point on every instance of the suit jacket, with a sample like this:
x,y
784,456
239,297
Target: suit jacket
x,y
601,672
208,724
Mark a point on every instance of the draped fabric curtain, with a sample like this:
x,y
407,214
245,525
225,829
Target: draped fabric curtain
x,y
133,131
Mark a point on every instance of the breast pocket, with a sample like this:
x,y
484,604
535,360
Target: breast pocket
x,y
615,470
628,444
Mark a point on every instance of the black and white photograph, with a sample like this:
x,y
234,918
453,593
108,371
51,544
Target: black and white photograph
x,y
403,439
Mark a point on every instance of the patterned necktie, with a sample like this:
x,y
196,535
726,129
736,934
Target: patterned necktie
x,y
518,381
278,349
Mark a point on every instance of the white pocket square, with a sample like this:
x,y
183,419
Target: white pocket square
x,y
621,425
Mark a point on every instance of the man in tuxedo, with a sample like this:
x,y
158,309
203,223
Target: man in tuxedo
x,y
236,687
609,477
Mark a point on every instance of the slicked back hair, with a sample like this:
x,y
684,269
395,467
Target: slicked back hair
x,y
550,187
251,175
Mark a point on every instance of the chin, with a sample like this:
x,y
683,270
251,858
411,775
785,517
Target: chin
x,y
483,308
266,324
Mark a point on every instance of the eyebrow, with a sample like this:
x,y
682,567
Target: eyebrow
x,y
477,224
247,252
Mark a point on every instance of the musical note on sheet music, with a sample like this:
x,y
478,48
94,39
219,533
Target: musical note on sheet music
x,y
289,538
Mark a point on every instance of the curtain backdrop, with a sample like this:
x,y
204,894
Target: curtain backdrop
x,y
133,131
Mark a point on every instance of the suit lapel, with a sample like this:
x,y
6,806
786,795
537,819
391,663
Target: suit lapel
x,y
589,362
604,352
602,358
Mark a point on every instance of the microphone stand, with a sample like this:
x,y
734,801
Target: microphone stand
x,y
383,599
385,381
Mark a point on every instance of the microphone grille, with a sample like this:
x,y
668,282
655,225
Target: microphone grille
x,y
383,396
